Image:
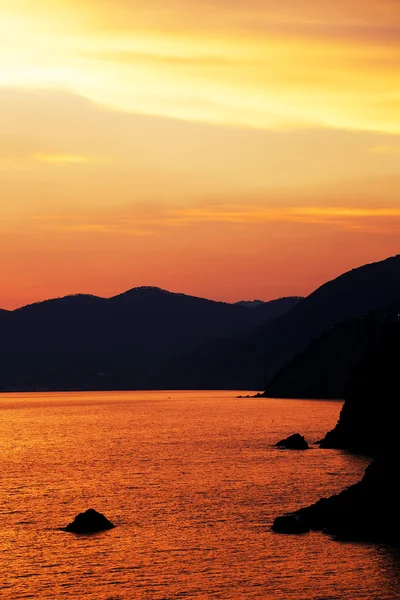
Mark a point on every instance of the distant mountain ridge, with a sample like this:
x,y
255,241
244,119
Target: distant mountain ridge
x,y
146,291
128,341
250,303
148,338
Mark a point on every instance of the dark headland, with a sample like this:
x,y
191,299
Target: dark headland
x,y
368,424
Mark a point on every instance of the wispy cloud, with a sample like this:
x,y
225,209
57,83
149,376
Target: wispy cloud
x,y
189,59
143,220
248,63
70,159
390,149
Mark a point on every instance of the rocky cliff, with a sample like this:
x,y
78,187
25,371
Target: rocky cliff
x,y
368,423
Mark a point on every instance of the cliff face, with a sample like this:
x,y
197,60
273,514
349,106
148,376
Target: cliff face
x,y
368,423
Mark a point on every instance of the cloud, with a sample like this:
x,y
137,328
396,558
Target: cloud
x,y
192,61
70,159
243,15
389,149
144,220
95,159
257,64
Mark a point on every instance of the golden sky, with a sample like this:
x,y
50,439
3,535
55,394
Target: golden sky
x,y
228,149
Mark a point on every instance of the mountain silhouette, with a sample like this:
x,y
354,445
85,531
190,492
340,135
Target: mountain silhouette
x,y
149,338
322,370
251,361
124,342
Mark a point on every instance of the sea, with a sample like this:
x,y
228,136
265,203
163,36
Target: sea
x,y
193,482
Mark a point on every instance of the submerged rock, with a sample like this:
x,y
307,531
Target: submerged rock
x,y
293,442
89,522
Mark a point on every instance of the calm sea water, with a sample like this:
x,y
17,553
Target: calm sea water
x,y
192,483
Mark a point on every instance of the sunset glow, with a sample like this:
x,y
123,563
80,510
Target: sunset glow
x,y
224,149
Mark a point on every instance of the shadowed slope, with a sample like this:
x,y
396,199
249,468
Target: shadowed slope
x,y
251,362
322,370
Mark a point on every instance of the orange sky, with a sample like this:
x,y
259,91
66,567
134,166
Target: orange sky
x,y
241,149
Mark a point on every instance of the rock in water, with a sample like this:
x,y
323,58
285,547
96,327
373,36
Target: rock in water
x,y
89,522
293,442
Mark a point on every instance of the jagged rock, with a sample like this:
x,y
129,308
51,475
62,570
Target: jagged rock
x,y
291,523
366,511
89,522
293,442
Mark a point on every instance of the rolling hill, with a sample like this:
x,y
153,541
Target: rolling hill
x,y
127,341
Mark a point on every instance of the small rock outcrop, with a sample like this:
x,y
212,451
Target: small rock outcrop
x,y
293,442
90,521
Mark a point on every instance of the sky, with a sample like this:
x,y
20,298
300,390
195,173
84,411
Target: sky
x,y
233,149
